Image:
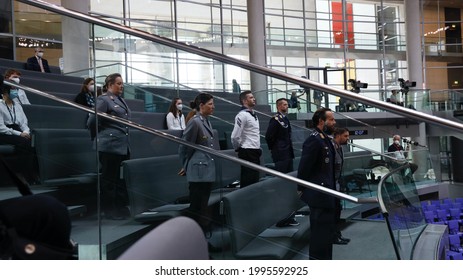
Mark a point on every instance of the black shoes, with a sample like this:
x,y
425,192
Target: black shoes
x,y
341,240
289,222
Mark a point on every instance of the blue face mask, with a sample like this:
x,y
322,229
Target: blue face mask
x,y
13,93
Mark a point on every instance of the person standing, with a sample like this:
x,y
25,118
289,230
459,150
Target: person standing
x,y
113,147
397,151
245,138
278,137
340,137
317,166
235,86
175,119
199,167
37,62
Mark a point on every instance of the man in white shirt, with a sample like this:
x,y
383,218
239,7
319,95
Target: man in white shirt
x,y
16,94
245,138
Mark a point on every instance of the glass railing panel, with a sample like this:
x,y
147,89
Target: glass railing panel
x,y
403,210
180,72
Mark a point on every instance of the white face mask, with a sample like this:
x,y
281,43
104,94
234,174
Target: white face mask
x,y
179,107
397,142
90,88
16,80
40,54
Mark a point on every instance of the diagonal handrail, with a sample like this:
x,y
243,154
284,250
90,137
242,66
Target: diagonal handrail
x,y
419,116
197,147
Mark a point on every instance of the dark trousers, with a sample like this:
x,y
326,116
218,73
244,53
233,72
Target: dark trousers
x,y
114,195
284,166
24,161
199,203
337,211
248,175
322,230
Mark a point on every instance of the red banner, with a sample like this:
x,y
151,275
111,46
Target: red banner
x,y
338,24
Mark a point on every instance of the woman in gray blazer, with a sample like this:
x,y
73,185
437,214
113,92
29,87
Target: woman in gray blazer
x,y
198,166
113,147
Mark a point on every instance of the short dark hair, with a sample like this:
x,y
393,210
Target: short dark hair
x,y
281,99
340,130
202,98
243,95
320,114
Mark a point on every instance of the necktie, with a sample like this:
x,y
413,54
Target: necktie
x,y
40,64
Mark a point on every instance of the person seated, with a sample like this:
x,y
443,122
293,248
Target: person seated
x,y
394,98
37,63
397,151
86,95
17,94
15,131
175,119
347,104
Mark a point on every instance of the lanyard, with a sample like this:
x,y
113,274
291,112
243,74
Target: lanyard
x,y
13,119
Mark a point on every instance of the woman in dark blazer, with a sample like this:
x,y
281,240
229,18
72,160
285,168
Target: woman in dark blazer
x,y
198,166
113,147
86,94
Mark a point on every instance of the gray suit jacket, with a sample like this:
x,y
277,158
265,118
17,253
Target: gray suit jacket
x,y
199,166
112,137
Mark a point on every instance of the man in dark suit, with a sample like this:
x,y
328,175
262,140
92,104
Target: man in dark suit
x,y
37,63
317,166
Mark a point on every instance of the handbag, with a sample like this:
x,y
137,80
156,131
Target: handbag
x,y
14,126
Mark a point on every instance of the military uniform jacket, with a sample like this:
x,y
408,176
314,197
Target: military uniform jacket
x,y
112,136
199,166
317,166
278,137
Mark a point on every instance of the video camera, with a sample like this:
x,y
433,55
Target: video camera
x,y
406,85
406,141
357,85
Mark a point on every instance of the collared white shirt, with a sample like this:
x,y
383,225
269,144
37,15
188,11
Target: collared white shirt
x,y
10,115
246,132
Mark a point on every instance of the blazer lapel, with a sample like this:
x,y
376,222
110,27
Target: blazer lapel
x,y
206,125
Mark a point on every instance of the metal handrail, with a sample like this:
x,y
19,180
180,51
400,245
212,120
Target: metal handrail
x,y
419,116
197,147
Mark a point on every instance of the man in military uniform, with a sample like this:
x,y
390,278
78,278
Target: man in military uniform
x,y
317,166
278,137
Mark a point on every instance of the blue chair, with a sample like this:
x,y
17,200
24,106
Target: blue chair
x,y
459,200
424,204
454,255
454,226
457,205
442,215
435,202
448,201
445,207
455,243
455,213
429,217
431,207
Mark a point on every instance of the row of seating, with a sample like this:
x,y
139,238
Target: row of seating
x,y
67,156
163,194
